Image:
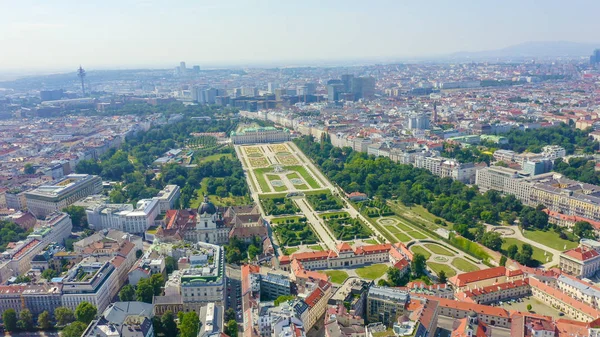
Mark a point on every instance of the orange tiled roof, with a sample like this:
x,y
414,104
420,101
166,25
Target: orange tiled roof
x,y
480,275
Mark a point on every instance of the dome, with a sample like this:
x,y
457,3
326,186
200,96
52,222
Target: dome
x,y
207,207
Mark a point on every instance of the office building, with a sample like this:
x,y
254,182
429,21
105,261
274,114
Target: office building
x,y
418,122
595,58
55,228
204,281
90,281
168,198
55,197
363,87
124,217
334,90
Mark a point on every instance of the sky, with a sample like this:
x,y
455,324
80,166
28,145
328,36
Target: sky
x,y
102,34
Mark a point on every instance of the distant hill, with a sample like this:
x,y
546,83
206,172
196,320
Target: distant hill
x,y
537,49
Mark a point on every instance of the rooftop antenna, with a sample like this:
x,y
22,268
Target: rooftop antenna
x,y
81,75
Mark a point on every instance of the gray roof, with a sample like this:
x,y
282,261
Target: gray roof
x,y
117,312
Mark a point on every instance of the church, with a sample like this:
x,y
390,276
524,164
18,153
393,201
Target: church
x,y
212,225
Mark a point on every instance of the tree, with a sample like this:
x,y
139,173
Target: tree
x,y
503,261
44,320
74,329
48,274
188,325
157,325
138,253
169,325
29,169
144,291
157,281
418,265
229,314
85,312
492,240
170,264
9,317
25,321
78,215
23,279
442,277
583,229
395,278
231,329
283,298
526,254
127,293
63,316
529,307
512,250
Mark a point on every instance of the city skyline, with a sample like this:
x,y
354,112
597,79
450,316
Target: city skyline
x,y
155,34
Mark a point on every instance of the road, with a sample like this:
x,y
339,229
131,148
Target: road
x,y
519,236
334,189
317,223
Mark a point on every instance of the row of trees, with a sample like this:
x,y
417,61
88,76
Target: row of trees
x,y
581,169
74,323
451,200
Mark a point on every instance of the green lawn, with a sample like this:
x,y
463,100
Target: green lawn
x,y
438,267
291,250
417,235
215,157
392,229
404,227
276,188
285,219
316,247
437,249
371,241
262,182
403,237
538,254
337,276
308,178
372,272
550,239
464,265
420,250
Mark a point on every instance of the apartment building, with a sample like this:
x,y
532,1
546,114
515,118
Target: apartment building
x,y
19,258
50,198
385,304
131,319
444,167
554,297
36,298
495,293
579,290
316,297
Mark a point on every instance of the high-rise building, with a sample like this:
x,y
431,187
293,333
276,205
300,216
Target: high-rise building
x,y
196,69
272,86
347,80
51,95
595,58
363,87
333,91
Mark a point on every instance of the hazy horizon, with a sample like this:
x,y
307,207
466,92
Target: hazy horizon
x,y
58,36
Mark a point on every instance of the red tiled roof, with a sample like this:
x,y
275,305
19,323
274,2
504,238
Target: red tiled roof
x,y
343,247
314,297
480,275
582,254
25,248
311,256
465,306
497,287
